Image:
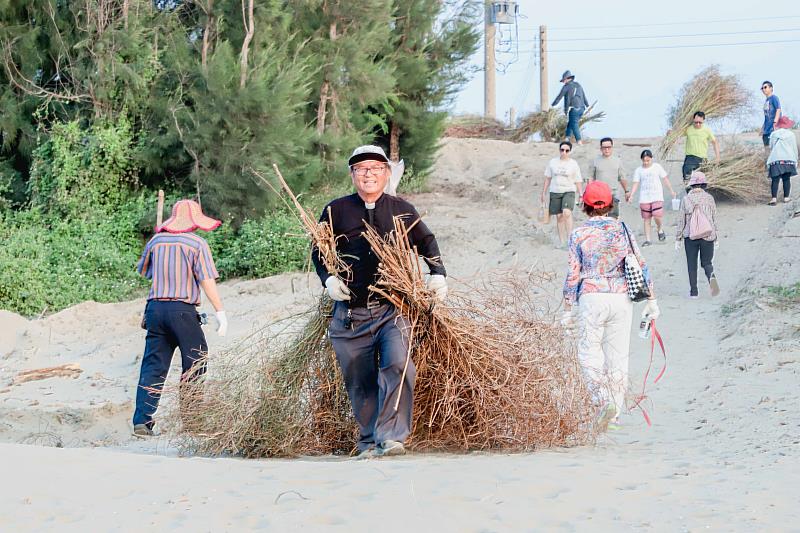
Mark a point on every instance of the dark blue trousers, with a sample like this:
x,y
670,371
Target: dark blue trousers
x,y
169,325
573,123
372,354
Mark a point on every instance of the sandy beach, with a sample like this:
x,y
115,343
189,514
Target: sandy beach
x,y
723,452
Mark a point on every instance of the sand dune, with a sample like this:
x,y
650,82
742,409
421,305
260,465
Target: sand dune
x,y
723,452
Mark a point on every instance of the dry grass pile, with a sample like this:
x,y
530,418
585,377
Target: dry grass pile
x,y
551,124
739,176
475,127
709,91
493,373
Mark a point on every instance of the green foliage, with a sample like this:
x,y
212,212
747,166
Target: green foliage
x,y
784,295
260,248
47,264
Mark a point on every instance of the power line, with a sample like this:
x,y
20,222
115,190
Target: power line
x,y
676,46
681,23
666,36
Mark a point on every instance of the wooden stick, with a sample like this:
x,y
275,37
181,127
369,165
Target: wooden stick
x,y
405,367
160,210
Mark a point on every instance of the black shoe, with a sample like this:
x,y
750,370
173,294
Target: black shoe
x,y
662,236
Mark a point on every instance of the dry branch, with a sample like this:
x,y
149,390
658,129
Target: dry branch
x,y
740,175
69,370
551,124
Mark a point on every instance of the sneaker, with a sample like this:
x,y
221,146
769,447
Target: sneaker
x,y
662,236
614,425
693,297
646,243
787,200
774,201
391,448
605,414
714,285
369,453
142,431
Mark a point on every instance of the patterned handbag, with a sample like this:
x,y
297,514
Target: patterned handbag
x,y
634,277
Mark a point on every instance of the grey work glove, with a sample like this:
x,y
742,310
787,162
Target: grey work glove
x,y
569,320
438,284
337,290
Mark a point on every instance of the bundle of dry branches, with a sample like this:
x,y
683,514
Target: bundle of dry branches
x,y
493,372
475,127
551,124
740,175
712,93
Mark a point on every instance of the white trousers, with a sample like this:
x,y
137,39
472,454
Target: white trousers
x,y
604,345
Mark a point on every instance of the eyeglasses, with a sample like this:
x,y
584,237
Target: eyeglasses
x,y
362,172
565,149
607,147
698,121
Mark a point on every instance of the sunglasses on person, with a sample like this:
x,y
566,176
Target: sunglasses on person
x,y
765,87
565,150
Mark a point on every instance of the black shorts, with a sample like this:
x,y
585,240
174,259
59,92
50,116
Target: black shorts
x,y
559,201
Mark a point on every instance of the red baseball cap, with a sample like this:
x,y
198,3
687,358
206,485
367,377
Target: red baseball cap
x,y
597,194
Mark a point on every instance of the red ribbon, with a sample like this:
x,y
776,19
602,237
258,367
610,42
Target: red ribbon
x,y
655,336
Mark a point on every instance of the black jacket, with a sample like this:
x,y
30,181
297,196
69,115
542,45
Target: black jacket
x,y
349,215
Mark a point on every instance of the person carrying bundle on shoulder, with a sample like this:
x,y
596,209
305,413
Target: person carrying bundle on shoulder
x,y
368,334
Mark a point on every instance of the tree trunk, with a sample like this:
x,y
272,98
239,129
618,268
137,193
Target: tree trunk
x,y
125,8
207,36
323,106
394,142
249,25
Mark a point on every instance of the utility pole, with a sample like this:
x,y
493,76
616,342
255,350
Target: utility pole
x,y
489,110
544,101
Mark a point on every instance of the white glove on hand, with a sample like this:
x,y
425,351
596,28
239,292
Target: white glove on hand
x,y
716,244
651,310
222,319
438,284
337,290
677,246
569,320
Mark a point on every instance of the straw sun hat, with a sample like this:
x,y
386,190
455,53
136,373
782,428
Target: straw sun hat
x,y
188,216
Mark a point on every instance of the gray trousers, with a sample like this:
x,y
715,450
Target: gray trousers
x,y
372,354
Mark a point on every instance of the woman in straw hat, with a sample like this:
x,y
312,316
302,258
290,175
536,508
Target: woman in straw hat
x,y
596,284
179,263
782,160
697,228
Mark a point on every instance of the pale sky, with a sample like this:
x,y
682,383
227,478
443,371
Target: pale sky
x,y
636,87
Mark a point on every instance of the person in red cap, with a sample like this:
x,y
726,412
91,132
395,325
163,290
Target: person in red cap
x,y
782,160
697,228
179,263
596,299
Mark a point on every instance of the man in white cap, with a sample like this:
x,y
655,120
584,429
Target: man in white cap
x,y
368,335
179,263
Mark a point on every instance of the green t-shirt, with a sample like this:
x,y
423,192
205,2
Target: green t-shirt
x,y
697,140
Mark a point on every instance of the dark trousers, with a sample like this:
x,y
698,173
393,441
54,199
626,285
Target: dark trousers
x,y
169,325
690,164
786,177
372,354
573,123
706,250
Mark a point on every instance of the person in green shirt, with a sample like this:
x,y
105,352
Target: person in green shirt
x,y
698,135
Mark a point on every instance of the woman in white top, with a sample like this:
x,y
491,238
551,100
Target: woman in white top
x,y
562,179
647,180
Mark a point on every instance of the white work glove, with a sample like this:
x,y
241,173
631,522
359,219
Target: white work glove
x,y
716,244
651,310
222,320
438,284
337,290
677,246
569,320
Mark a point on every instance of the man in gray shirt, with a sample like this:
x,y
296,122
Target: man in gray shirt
x,y
608,168
575,103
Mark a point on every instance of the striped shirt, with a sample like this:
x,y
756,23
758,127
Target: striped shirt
x,y
176,263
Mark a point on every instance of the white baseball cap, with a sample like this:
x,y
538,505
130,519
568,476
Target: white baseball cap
x,y
368,152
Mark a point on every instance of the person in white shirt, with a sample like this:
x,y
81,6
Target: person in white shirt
x,y
647,180
562,179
